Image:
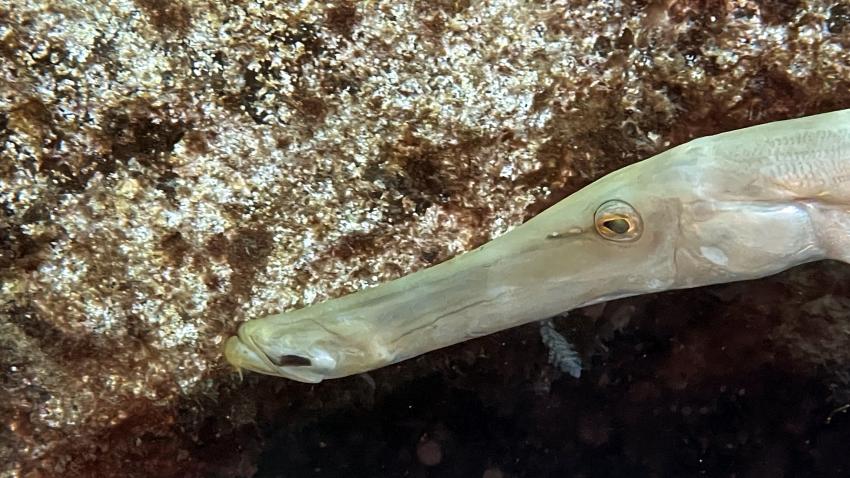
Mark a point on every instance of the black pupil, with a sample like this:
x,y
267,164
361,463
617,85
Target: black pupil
x,y
619,225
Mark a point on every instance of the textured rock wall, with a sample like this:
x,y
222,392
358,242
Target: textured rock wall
x,y
169,169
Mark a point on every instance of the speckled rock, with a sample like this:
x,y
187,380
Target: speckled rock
x,y
170,169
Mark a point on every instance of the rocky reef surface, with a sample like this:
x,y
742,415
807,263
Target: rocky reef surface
x,y
171,168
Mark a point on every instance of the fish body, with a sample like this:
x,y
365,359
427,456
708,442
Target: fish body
x,y
734,206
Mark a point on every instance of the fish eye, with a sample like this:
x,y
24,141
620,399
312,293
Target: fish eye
x,y
618,221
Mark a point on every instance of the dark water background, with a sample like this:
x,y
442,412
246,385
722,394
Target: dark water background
x,y
737,380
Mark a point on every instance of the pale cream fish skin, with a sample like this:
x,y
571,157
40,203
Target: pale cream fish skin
x,y
734,206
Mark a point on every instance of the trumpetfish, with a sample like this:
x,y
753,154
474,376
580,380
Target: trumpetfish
x,y
730,207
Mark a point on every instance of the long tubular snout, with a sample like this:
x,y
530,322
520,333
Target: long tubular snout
x,y
687,217
550,264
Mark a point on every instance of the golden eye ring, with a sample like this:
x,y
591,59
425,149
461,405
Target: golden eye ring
x,y
618,221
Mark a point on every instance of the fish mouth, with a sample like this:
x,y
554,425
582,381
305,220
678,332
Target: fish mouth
x,y
246,356
243,352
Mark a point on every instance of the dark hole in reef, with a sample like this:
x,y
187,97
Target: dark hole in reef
x,y
292,361
839,18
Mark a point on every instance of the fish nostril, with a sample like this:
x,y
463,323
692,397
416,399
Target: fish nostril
x,y
291,361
